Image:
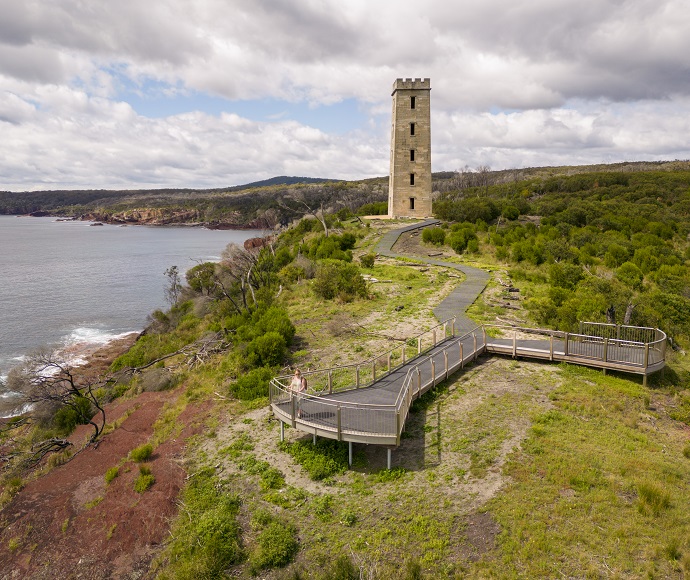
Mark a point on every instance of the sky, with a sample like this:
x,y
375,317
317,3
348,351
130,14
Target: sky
x,y
214,93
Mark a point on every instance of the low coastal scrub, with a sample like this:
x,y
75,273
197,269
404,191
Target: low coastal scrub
x,y
144,480
323,460
276,543
141,453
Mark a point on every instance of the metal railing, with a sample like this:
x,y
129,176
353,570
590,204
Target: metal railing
x,y
636,346
365,373
385,422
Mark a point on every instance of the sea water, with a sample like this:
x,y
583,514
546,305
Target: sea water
x,y
71,283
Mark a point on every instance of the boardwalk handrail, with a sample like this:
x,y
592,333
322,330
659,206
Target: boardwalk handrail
x,y
382,423
365,373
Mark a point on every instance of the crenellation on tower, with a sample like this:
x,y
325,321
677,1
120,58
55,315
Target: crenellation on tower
x,y
409,188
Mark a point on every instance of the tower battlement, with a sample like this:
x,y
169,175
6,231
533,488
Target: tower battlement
x,y
411,84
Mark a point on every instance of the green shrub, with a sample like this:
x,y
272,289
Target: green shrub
x,y
267,350
111,474
435,236
323,507
276,547
686,451
253,384
367,260
144,480
325,459
348,517
377,208
338,279
67,418
141,453
510,212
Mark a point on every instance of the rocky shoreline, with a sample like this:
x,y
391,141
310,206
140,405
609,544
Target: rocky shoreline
x,y
158,217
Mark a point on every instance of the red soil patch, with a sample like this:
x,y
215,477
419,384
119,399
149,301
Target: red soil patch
x,y
69,523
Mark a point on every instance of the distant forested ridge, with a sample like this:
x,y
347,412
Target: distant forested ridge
x,y
260,204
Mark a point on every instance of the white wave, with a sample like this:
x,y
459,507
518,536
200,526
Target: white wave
x,y
18,411
94,336
10,395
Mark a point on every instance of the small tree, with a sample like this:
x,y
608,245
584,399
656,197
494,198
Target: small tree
x,y
174,287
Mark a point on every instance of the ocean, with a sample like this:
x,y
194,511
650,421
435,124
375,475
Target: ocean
x,y
70,283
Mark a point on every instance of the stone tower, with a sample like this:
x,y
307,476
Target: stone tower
x,y
409,186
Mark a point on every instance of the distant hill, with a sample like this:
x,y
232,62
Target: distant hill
x,y
283,180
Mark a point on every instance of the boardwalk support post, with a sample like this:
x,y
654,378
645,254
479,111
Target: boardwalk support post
x,y
313,438
357,377
389,462
339,423
403,353
373,370
330,382
349,453
282,431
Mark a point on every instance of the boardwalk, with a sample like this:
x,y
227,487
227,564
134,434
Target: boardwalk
x,y
364,403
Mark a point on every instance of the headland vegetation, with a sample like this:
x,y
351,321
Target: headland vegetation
x,y
510,469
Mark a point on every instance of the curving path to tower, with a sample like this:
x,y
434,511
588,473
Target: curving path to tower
x,y
460,299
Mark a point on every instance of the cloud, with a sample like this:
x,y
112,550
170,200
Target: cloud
x,y
529,83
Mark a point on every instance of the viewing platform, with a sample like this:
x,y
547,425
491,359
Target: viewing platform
x,y
369,402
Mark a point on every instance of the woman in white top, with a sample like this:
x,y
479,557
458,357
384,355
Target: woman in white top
x,y
298,385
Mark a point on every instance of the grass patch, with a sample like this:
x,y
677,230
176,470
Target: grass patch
x,y
111,474
144,480
325,459
141,453
206,539
276,543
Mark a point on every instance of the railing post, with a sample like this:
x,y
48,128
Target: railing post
x,y
389,363
282,431
474,336
330,382
453,327
606,350
397,433
433,373
373,370
357,377
551,347
618,331
403,353
419,381
339,423
580,327
565,344
484,334
445,361
646,356
462,357
445,330
293,405
433,334
514,343
419,345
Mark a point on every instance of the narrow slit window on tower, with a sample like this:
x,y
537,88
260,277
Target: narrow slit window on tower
x,y
412,203
411,154
411,178
412,102
411,128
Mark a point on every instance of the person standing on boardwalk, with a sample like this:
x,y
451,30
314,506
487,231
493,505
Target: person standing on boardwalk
x,y
298,386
